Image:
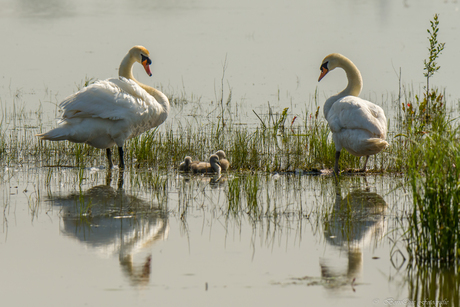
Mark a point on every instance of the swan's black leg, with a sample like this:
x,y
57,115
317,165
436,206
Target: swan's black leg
x,y
120,178
365,163
122,163
109,157
108,177
336,166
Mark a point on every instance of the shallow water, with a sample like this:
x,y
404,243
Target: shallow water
x,y
87,237
136,244
79,237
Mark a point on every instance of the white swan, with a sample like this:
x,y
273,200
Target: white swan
x,y
357,125
111,111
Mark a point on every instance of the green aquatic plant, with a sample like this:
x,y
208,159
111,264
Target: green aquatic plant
x,y
430,154
435,49
419,116
434,175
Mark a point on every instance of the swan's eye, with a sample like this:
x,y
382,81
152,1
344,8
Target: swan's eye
x,y
146,58
324,66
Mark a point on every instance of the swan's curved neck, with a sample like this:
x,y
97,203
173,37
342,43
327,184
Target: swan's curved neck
x,y
126,70
355,81
126,67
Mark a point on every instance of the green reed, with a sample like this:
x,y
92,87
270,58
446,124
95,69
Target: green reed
x,y
434,176
430,140
271,146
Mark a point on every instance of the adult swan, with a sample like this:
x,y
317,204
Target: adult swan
x,y
357,125
111,111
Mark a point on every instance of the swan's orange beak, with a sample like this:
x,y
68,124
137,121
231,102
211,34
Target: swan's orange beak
x,y
145,63
324,71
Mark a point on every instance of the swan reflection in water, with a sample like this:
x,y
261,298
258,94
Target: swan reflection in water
x,y
357,222
112,222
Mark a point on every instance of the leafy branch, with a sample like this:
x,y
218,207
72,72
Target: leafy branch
x,y
435,50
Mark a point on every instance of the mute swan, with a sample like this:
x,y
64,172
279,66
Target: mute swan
x,y
111,111
357,125
213,166
187,164
224,164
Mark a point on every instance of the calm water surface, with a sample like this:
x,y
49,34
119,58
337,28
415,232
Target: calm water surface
x,y
138,244
76,238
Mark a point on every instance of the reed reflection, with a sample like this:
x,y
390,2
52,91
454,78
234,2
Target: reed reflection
x,y
356,222
433,285
112,222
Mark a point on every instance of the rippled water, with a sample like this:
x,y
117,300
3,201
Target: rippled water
x,y
73,237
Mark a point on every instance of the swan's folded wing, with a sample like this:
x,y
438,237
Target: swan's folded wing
x,y
355,113
113,99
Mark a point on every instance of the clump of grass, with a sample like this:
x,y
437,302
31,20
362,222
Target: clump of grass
x,y
270,146
419,114
434,175
432,164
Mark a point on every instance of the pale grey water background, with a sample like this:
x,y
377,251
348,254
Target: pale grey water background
x,y
273,51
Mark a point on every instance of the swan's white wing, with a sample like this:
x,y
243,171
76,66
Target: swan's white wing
x,y
352,112
113,99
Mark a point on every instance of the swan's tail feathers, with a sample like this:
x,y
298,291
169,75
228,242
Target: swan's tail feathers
x,y
376,145
53,135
